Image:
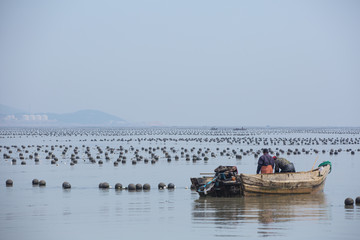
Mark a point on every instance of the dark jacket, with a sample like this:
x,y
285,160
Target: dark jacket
x,y
265,160
284,165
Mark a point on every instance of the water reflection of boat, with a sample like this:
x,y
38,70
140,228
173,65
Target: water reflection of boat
x,y
266,210
228,183
283,208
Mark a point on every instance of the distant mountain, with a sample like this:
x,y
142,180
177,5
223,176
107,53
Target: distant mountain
x,y
14,117
9,110
87,117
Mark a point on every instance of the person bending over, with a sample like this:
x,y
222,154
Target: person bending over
x,y
283,165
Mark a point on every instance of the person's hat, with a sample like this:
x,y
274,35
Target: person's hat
x,y
274,157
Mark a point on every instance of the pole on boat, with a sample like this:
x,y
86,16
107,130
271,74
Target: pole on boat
x,y
314,163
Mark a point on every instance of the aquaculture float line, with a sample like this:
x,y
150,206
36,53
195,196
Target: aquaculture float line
x,y
102,185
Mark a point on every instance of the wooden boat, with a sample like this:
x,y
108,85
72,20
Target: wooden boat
x,y
285,183
254,184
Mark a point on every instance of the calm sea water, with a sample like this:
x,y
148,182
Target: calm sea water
x,y
87,212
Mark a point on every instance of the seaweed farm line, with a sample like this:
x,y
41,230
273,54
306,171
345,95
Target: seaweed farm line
x,y
140,159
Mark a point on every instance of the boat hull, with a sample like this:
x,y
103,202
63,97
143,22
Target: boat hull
x,y
285,183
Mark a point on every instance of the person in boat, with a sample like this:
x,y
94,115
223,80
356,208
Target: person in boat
x,y
284,165
265,163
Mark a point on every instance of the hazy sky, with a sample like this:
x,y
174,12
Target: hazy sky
x,y
227,63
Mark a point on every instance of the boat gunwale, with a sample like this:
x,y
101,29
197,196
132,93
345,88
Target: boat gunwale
x,y
310,178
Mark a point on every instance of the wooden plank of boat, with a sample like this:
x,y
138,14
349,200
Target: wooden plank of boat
x,y
285,183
